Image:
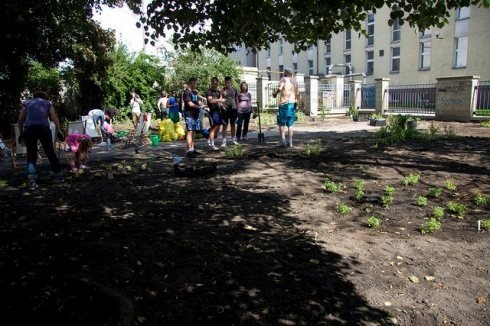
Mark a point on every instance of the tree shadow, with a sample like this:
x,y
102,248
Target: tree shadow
x,y
160,250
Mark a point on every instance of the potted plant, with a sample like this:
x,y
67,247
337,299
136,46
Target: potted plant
x,y
354,113
377,120
412,123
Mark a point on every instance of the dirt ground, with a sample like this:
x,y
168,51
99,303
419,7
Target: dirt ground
x,y
259,242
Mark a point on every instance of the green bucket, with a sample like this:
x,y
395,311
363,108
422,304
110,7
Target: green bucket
x,y
155,140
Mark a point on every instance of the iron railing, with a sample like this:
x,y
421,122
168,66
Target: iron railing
x,y
482,98
413,99
368,96
272,102
326,93
346,96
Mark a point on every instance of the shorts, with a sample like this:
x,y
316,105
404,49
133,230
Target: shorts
x,y
216,118
193,124
286,115
229,115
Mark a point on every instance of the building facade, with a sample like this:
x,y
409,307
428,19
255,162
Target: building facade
x,y
401,53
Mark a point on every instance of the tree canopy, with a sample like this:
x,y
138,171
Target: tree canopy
x,y
222,24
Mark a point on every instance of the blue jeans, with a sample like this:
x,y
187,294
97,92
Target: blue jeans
x,y
243,119
100,117
33,134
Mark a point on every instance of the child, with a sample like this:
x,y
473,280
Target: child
x,y
80,144
109,134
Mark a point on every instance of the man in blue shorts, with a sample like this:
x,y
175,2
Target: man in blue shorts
x,y
213,96
288,89
192,107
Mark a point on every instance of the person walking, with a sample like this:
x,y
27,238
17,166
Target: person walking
x,y
213,97
173,107
192,109
245,110
135,104
229,112
162,105
34,126
289,96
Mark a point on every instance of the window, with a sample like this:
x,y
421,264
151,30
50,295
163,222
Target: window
x,y
347,40
461,51
463,13
281,46
310,67
370,30
281,69
328,46
395,59
328,62
369,62
347,58
268,52
425,51
395,31
295,67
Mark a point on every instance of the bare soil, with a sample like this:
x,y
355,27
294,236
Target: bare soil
x,y
259,242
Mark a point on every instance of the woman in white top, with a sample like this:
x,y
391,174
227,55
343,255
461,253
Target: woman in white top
x,y
162,105
135,108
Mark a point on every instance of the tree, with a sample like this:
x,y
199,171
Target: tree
x,y
203,65
223,24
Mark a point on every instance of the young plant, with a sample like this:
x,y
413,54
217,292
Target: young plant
x,y
344,209
234,151
332,186
359,184
313,150
411,179
421,201
359,194
438,212
449,132
373,222
390,191
3,183
481,200
450,185
485,224
485,124
458,209
434,192
431,225
387,198
433,131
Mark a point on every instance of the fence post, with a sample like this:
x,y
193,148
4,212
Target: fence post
x,y
337,84
355,93
311,105
261,91
382,94
454,98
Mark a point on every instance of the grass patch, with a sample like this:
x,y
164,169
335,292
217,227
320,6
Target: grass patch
x,y
430,226
456,208
344,209
373,222
411,179
434,192
332,186
421,201
234,151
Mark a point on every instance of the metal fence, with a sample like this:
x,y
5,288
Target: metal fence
x,y
326,93
414,99
346,96
252,89
482,98
272,102
368,96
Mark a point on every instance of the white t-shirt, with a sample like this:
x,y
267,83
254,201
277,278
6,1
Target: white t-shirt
x,y
136,105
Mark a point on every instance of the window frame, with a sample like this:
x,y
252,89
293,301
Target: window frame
x,y
393,57
370,36
456,51
348,41
311,68
368,62
397,31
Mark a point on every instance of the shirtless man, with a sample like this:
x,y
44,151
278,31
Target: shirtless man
x,y
288,89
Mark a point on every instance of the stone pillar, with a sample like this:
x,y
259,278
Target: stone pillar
x,y
382,95
454,98
311,98
261,92
355,93
337,83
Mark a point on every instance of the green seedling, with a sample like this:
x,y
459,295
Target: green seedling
x,y
234,151
313,150
485,124
387,198
411,179
434,192
344,209
450,185
359,184
458,209
359,195
421,201
485,224
3,183
430,226
390,191
373,222
438,212
332,186
481,200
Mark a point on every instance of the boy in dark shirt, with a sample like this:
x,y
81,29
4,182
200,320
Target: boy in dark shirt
x,y
213,97
192,107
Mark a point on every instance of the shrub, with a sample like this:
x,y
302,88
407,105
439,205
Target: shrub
x,y
450,185
344,209
480,199
458,209
434,192
411,179
431,225
438,212
421,201
373,222
332,186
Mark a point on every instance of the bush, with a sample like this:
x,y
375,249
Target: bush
x,y
430,226
421,201
344,209
373,222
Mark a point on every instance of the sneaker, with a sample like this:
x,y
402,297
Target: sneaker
x,y
235,141
191,154
33,185
282,144
223,144
213,147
